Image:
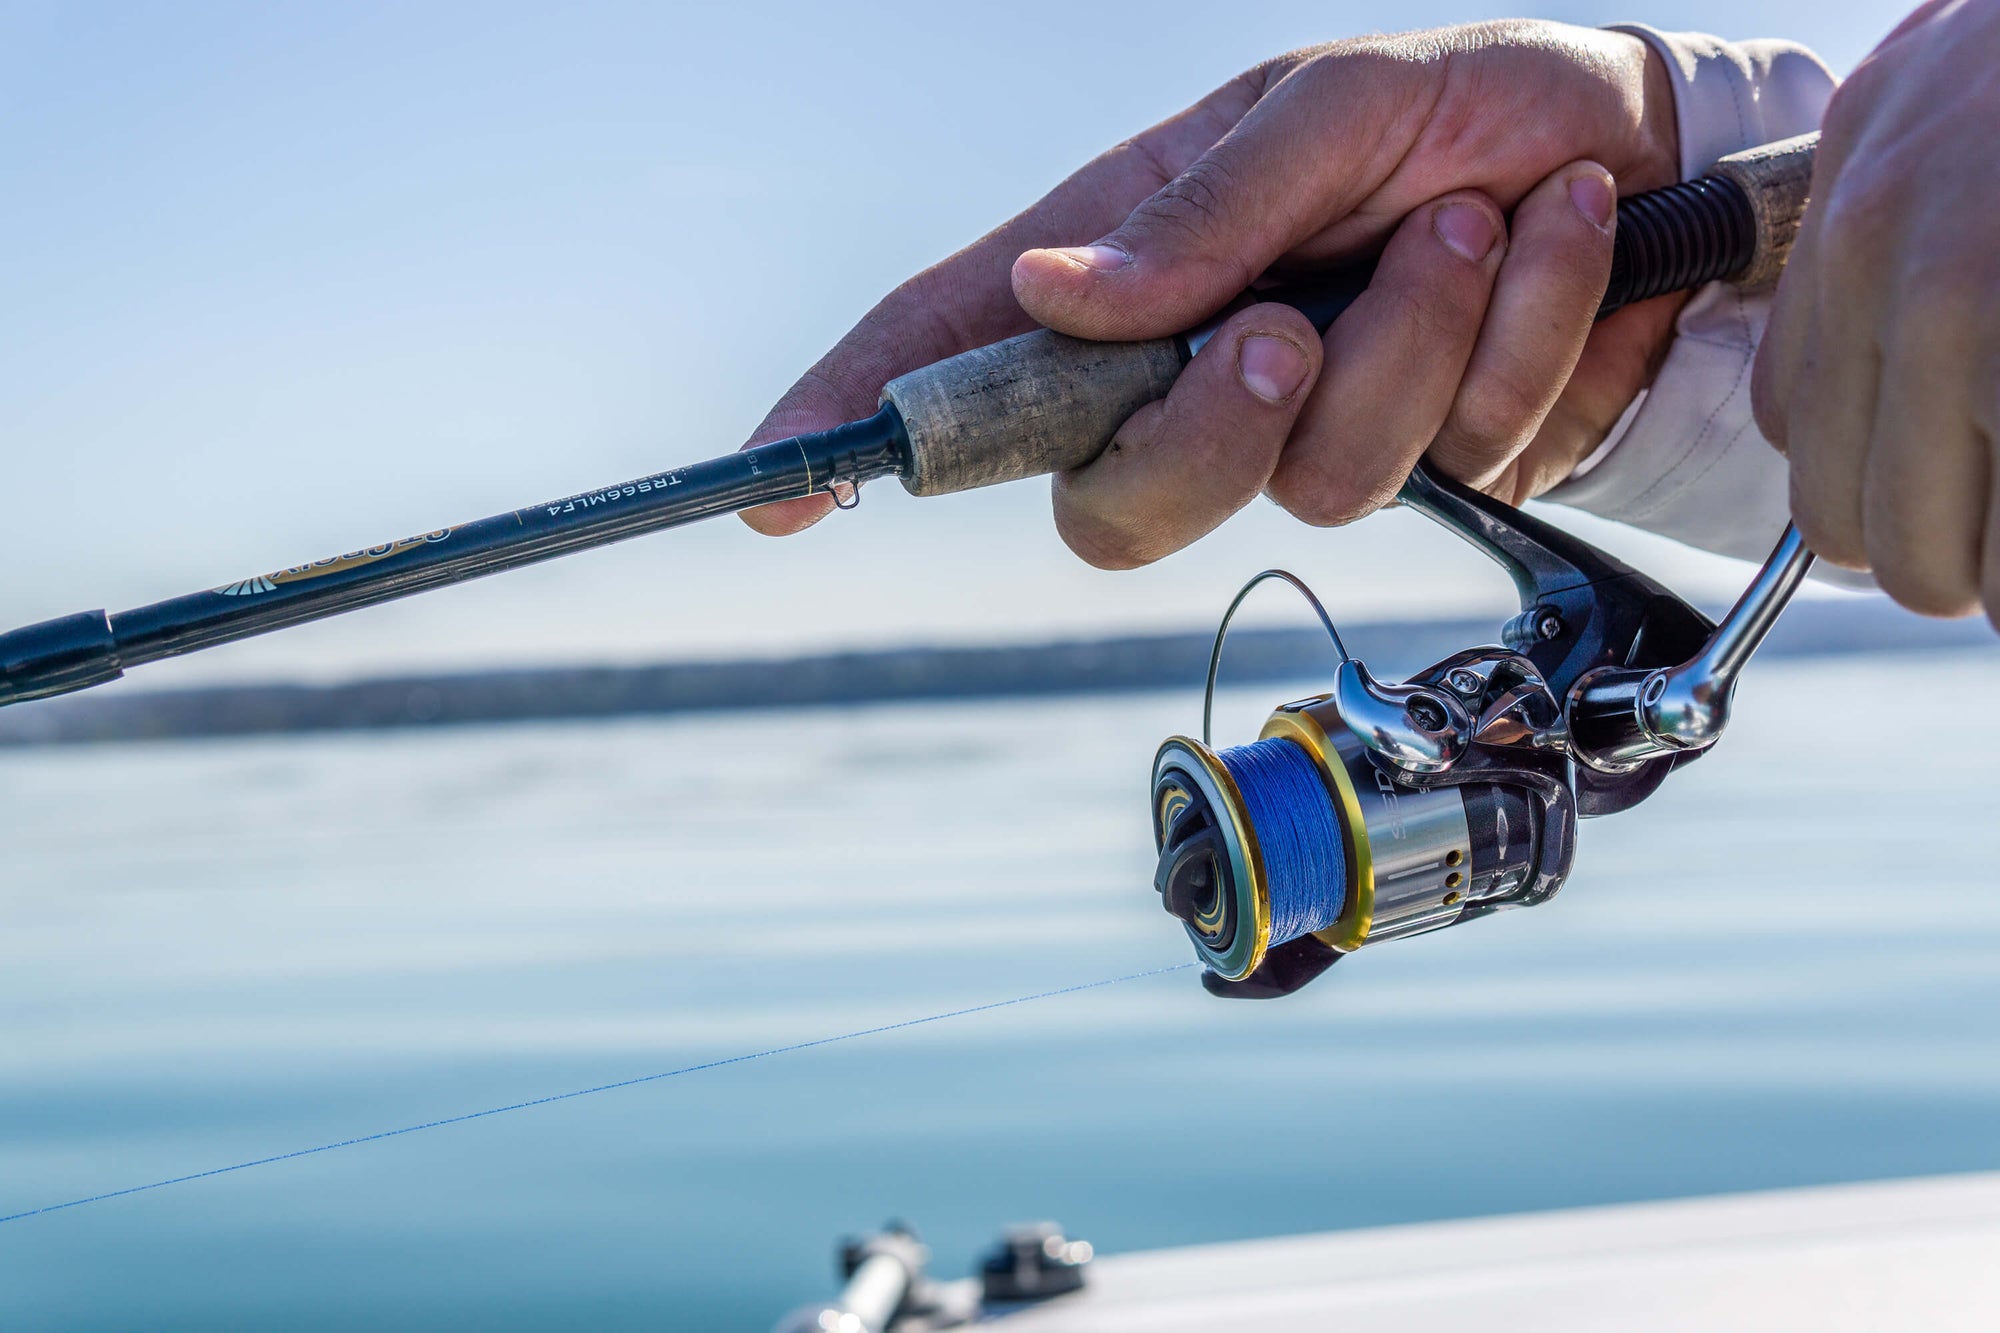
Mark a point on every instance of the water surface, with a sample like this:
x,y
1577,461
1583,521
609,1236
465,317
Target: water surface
x,y
1781,970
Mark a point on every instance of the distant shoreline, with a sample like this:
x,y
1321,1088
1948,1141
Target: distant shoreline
x,y
915,674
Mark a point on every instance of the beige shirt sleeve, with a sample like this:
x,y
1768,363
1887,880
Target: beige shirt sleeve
x,y
1687,461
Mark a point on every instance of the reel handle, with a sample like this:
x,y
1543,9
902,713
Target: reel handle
x,y
1621,717
1044,402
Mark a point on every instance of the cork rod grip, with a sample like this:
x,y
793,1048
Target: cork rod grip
x,y
1026,407
1776,178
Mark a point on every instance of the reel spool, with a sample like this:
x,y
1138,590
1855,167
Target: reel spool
x,y
1244,865
1378,811
1305,840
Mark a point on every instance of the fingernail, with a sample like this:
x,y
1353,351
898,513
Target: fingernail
x,y
1591,194
1103,258
1465,229
1272,368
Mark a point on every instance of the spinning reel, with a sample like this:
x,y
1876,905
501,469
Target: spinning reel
x,y
1378,811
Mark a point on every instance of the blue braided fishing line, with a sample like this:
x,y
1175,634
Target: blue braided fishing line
x,y
1305,861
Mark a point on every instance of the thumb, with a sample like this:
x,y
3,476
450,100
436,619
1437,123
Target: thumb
x,y
1182,255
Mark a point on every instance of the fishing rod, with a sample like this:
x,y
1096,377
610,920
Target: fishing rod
x,y
1029,406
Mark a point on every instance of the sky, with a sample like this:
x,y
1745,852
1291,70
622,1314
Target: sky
x,y
280,281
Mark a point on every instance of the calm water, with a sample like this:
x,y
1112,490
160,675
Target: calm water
x,y
1781,970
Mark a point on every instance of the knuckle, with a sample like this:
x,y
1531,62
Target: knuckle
x,y
1499,411
1325,498
1832,540
1459,124
1857,225
1383,73
1442,315
1828,542
1193,205
1926,587
1767,398
1256,82
1337,63
1940,305
1849,109
1154,157
1920,566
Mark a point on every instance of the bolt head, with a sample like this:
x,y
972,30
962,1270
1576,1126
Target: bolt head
x,y
1549,625
1465,682
1426,714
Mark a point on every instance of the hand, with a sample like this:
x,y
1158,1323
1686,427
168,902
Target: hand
x,y
1472,344
1880,372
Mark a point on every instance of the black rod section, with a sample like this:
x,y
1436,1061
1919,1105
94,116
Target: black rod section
x,y
73,652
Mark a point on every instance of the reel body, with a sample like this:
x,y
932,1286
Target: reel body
x,y
1378,811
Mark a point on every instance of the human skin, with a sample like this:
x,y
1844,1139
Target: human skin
x,y
1481,161
1879,374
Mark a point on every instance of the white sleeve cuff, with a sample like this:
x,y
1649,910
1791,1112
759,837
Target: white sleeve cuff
x,y
1729,96
1687,461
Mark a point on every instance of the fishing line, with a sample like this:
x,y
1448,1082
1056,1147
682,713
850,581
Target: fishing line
x,y
1305,864
586,1092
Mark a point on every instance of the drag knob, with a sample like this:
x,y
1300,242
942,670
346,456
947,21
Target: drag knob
x,y
1189,878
